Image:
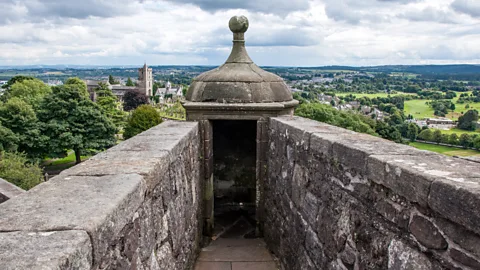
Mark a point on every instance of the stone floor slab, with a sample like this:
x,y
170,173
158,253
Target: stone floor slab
x,y
213,266
254,266
236,250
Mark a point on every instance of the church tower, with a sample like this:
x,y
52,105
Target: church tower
x,y
145,80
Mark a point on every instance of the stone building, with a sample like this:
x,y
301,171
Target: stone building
x,y
145,80
175,92
145,85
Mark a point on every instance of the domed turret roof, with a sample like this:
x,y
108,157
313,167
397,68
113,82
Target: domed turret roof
x,y
239,80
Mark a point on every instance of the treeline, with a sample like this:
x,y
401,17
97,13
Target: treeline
x,y
464,140
393,128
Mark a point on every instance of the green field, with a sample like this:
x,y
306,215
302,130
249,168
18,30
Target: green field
x,y
459,131
446,150
418,109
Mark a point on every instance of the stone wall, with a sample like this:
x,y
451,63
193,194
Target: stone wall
x,y
8,190
134,206
336,199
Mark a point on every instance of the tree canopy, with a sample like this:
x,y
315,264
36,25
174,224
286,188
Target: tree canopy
x,y
133,98
30,90
142,118
110,106
72,121
129,82
16,169
468,121
327,114
19,117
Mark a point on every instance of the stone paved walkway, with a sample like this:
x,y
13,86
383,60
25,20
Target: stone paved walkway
x,y
234,247
236,254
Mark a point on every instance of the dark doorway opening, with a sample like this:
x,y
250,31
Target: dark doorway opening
x,y
234,157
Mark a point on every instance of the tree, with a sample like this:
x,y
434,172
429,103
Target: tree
x,y
426,135
476,143
465,140
8,140
72,121
445,138
133,98
109,105
412,131
20,118
468,121
453,139
16,169
19,78
144,117
32,91
437,136
130,82
111,80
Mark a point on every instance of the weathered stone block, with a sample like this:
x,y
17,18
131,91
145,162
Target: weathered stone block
x,y
403,257
458,200
426,233
99,205
315,249
404,175
459,235
464,259
45,250
393,212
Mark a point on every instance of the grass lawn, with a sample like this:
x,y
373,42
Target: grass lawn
x,y
459,131
446,150
68,159
459,108
418,109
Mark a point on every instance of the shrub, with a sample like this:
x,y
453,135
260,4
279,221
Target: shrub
x,y
143,118
15,168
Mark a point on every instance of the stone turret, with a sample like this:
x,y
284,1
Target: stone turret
x,y
234,157
239,86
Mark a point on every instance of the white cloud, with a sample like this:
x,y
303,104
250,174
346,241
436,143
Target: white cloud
x,y
310,32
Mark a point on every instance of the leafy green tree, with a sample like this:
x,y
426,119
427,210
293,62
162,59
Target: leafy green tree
x,y
465,140
437,136
426,135
72,121
19,117
468,121
110,106
476,143
130,82
142,118
8,140
133,98
345,119
453,139
16,169
445,138
111,80
32,91
412,131
19,78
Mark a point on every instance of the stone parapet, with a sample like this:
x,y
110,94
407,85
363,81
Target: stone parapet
x,y
8,190
336,199
134,206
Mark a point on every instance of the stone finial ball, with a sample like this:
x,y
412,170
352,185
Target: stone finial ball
x,y
238,24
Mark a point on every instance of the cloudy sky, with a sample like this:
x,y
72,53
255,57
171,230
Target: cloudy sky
x,y
282,32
